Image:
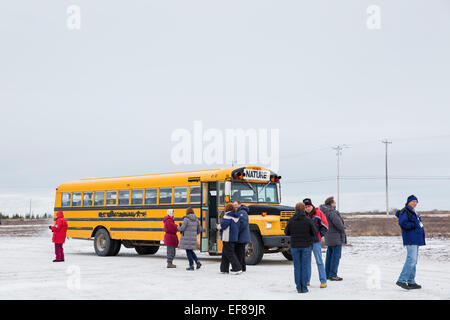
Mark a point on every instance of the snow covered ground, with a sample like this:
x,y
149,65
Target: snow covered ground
x,y
369,265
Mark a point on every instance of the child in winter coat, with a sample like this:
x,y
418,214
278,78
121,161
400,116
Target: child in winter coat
x,y
59,235
229,232
170,237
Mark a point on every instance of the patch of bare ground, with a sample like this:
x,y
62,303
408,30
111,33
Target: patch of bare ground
x,y
435,226
23,227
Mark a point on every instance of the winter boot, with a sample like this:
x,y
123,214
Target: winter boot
x,y
198,265
404,285
235,271
190,268
323,284
171,265
414,286
336,278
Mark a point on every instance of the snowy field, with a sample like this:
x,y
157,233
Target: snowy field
x,y
369,265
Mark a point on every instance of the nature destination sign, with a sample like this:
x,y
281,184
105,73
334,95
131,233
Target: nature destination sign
x,y
260,175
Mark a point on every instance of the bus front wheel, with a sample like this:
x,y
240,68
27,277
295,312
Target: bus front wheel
x,y
254,250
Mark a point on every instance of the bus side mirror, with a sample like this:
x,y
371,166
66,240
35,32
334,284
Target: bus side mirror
x,y
227,188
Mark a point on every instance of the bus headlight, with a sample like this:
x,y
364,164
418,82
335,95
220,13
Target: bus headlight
x,y
268,225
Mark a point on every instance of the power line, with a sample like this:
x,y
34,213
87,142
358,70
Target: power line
x,y
363,143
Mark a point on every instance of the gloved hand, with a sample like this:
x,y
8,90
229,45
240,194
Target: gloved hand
x,y
50,227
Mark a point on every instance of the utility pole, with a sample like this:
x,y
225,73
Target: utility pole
x,y
386,143
339,149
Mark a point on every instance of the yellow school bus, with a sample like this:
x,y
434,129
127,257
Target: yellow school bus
x,y
129,210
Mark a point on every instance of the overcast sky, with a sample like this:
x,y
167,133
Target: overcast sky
x,y
104,100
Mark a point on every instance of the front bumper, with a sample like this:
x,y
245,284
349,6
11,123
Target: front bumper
x,y
276,241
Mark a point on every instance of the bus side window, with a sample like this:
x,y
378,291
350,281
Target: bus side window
x,y
111,198
99,198
194,194
180,195
137,196
151,196
124,197
165,195
87,199
65,199
76,199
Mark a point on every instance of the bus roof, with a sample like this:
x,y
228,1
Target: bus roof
x,y
182,178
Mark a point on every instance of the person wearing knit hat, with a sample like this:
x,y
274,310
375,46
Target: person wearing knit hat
x,y
170,237
320,222
413,235
307,202
411,198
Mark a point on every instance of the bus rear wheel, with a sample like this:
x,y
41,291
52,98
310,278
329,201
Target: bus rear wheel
x,y
104,245
142,250
254,250
287,254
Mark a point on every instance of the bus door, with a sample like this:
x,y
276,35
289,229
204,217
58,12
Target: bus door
x,y
209,217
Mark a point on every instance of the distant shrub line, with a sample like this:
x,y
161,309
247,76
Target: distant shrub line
x,y
26,216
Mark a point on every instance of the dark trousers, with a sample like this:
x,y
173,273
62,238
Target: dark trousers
x,y
191,257
239,248
229,256
332,260
59,251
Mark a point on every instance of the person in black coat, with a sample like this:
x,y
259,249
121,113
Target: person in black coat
x,y
302,231
244,233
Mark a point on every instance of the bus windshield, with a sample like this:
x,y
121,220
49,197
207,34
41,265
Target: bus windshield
x,y
254,192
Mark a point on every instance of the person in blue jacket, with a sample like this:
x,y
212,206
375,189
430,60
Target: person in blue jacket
x,y
413,235
244,233
229,229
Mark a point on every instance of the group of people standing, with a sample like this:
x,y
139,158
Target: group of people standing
x,y
235,234
234,231
307,228
310,224
189,229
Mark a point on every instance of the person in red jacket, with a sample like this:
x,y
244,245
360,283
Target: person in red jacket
x,y
170,237
321,224
59,235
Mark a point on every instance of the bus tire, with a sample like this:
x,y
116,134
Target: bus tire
x,y
103,244
116,247
142,250
254,250
287,254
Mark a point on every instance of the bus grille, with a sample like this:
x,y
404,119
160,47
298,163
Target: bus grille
x,y
284,217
